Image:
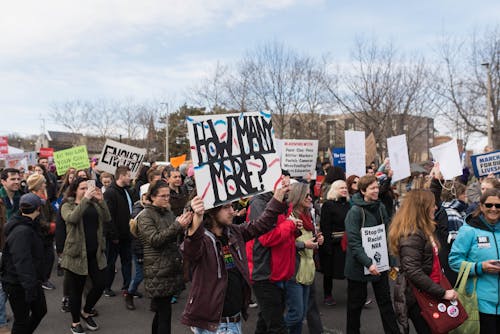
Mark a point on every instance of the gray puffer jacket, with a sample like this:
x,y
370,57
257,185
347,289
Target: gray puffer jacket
x,y
158,232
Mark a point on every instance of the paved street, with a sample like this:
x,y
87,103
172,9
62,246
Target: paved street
x,y
114,318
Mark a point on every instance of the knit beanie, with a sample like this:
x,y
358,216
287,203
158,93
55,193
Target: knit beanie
x,y
35,181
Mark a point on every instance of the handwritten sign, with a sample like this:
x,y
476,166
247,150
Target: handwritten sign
x,y
20,160
398,155
115,154
374,242
355,153
76,157
298,156
449,159
485,164
234,156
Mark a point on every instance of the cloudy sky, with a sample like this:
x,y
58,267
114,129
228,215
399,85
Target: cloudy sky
x,y
58,50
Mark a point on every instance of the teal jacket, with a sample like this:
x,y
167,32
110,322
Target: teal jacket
x,y
356,258
478,241
10,208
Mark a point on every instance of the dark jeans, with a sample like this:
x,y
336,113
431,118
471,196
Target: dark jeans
x,y
271,299
314,323
76,284
163,315
138,277
418,321
124,249
490,323
27,316
327,285
49,259
356,297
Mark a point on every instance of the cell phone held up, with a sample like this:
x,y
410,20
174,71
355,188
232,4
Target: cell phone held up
x,y
90,184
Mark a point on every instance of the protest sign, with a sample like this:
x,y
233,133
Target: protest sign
x,y
20,160
298,156
398,155
46,152
485,164
374,242
76,157
116,154
371,148
234,156
449,159
338,154
177,161
355,153
4,145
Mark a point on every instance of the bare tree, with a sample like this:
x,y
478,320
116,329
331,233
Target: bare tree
x,y
72,115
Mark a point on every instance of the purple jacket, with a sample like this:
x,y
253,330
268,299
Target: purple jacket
x,y
209,282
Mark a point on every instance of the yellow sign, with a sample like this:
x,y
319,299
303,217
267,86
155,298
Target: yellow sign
x,y
76,157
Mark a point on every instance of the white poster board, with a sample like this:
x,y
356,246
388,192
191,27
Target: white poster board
x,y
355,154
298,156
20,160
234,155
115,154
398,155
448,158
374,242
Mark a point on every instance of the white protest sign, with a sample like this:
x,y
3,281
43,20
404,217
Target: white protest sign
x,y
20,160
116,154
398,155
298,156
374,242
448,158
355,154
234,155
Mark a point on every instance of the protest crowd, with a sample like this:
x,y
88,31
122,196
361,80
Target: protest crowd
x,y
261,250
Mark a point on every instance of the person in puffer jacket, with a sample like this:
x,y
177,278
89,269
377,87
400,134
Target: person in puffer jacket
x,y
478,241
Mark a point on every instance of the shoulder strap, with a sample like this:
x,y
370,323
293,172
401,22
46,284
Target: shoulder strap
x,y
363,215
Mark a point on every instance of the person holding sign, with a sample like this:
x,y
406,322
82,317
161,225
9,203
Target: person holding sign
x,y
220,290
478,241
366,224
412,238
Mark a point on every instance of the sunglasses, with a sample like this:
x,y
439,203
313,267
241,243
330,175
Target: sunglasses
x,y
490,205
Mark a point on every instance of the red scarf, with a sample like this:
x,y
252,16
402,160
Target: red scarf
x,y
306,221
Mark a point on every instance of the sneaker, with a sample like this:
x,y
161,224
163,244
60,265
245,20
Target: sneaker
x,y
65,305
91,324
109,293
253,304
48,285
173,300
368,302
137,294
78,329
329,301
129,302
93,313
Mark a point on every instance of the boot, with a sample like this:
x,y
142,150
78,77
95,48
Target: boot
x,y
129,302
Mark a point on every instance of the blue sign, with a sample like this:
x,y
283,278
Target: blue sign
x,y
338,154
486,164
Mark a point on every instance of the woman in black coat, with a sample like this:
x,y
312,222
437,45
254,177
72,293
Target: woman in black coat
x,y
332,257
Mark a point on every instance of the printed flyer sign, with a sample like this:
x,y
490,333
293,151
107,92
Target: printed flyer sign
x,y
374,242
234,155
485,164
116,154
298,156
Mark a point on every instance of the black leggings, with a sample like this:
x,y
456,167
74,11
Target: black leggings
x,y
76,284
489,323
163,315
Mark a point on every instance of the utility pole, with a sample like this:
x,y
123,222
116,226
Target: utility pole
x,y
167,115
489,105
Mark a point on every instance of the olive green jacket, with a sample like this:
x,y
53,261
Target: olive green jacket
x,y
74,256
159,232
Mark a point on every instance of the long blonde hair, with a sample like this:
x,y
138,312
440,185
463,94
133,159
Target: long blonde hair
x,y
297,194
413,216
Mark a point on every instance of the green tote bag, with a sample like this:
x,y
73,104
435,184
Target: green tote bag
x,y
468,300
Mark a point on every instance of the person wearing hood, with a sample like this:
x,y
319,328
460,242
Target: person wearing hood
x,y
84,211
367,211
478,241
22,265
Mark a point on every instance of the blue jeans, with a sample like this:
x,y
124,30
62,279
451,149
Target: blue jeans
x,y
297,301
224,328
3,312
138,276
124,249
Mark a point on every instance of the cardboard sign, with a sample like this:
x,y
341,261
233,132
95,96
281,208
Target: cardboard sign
x,y
76,157
355,153
485,164
20,160
4,145
46,152
298,156
234,156
371,148
374,242
115,154
338,154
398,155
449,159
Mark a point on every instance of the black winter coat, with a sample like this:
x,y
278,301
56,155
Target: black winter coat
x,y
116,199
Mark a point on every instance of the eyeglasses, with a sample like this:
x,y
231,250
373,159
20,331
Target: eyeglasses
x,y
490,205
308,195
